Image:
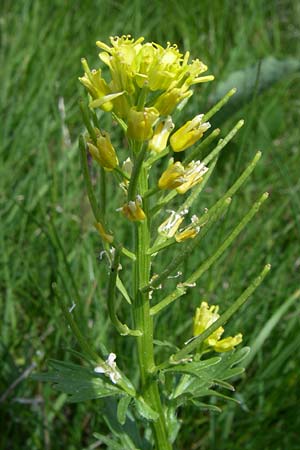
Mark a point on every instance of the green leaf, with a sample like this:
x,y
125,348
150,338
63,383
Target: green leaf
x,y
122,409
173,423
224,384
78,382
206,406
165,344
111,443
201,377
194,368
128,434
144,410
123,290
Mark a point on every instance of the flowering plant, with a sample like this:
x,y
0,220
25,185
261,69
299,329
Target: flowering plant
x,y
148,85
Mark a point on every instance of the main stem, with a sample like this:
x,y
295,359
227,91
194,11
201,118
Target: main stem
x,y
144,322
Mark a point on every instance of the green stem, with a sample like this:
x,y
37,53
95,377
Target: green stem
x,y
144,322
206,220
133,184
181,288
103,191
151,192
219,105
122,173
221,144
122,328
196,152
88,183
153,158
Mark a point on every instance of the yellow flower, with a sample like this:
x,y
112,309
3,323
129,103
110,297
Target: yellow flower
x,y
121,60
98,88
189,232
161,134
173,176
227,344
168,100
158,66
133,65
133,211
181,178
140,123
193,175
169,227
205,316
188,134
105,236
104,153
190,73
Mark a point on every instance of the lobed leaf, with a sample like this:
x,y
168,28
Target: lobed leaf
x,y
200,377
78,382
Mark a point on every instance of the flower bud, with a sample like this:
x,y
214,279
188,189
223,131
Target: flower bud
x,y
188,134
161,134
104,153
96,85
133,211
127,167
140,123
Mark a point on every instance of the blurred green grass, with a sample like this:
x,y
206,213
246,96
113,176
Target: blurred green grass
x,y
41,47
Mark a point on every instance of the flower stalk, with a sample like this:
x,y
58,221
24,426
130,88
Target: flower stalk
x,y
148,84
144,321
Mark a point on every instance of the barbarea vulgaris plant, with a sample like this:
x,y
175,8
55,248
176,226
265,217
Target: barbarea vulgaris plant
x,y
146,85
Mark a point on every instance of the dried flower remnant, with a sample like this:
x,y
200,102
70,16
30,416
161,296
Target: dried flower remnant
x,y
169,227
109,369
133,210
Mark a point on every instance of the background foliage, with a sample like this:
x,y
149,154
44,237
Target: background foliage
x,y
42,196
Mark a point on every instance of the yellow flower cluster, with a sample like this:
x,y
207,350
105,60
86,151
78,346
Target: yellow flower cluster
x,y
135,66
146,83
205,316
